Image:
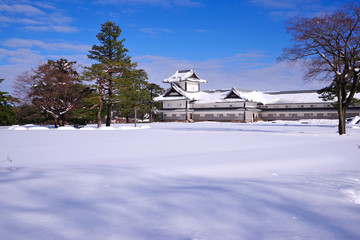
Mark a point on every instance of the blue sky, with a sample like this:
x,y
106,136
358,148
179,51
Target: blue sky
x,y
228,42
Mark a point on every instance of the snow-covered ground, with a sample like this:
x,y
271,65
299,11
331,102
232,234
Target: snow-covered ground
x,y
181,181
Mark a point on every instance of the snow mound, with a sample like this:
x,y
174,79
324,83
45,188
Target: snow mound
x,y
38,128
66,128
87,128
17,127
20,128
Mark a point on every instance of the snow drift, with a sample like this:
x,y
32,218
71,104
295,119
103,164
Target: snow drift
x,y
281,180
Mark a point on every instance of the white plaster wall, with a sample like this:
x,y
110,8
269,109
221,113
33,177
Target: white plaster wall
x,y
174,104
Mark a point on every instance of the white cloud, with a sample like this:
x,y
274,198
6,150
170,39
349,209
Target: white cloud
x,y
8,72
52,28
8,20
29,16
19,60
22,9
22,55
29,43
45,5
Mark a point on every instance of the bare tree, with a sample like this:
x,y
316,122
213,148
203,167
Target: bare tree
x,y
22,87
330,46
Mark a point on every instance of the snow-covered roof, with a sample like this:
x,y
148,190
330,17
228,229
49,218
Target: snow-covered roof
x,y
306,96
241,95
184,75
200,97
254,96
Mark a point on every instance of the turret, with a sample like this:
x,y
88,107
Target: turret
x,y
186,80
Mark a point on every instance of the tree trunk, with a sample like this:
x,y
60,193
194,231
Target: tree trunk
x,y
342,121
98,114
55,122
108,115
109,107
62,120
341,111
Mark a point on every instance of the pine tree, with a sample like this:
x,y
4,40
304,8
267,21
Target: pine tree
x,y
7,111
130,91
113,63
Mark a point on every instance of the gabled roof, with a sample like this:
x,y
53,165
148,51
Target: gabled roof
x,y
177,93
250,95
173,93
184,75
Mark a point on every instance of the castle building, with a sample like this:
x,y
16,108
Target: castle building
x,y
184,101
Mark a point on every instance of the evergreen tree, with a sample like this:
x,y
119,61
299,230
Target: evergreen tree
x,y
136,92
130,88
153,90
113,64
7,111
30,114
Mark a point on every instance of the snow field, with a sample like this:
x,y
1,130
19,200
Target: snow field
x,y
280,180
